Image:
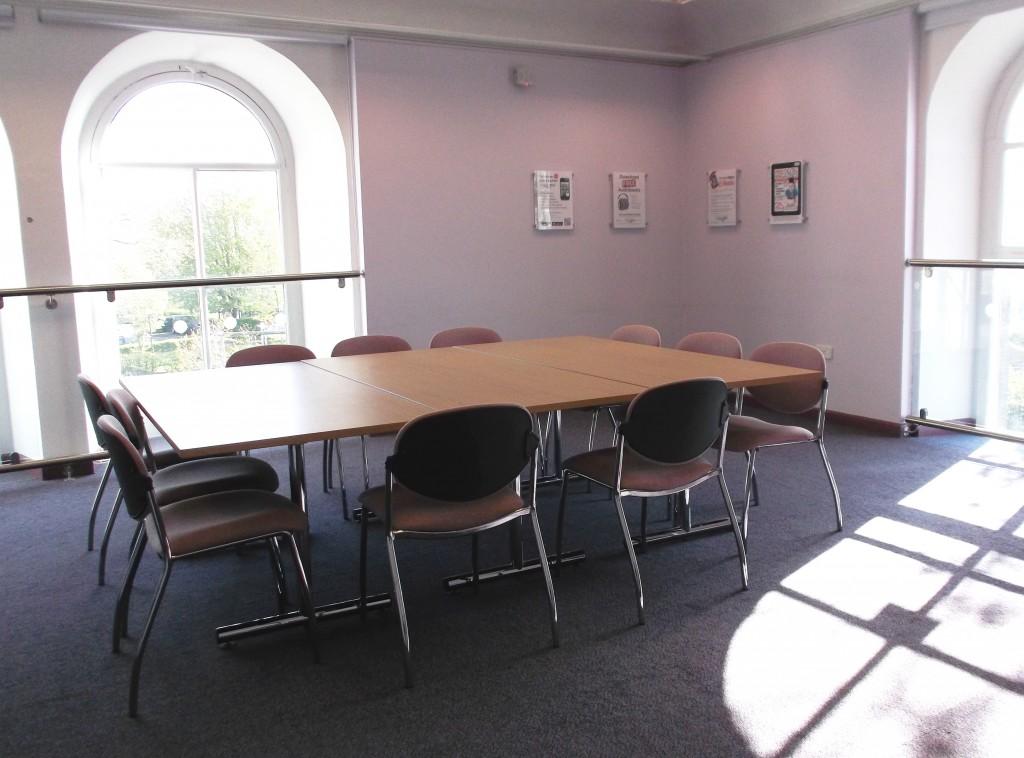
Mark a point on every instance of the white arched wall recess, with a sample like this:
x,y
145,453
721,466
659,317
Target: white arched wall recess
x,y
963,86
305,122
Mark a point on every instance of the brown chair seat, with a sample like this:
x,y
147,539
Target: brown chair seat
x,y
413,514
638,473
748,433
222,518
207,475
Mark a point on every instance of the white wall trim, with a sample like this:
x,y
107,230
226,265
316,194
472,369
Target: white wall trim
x,y
291,29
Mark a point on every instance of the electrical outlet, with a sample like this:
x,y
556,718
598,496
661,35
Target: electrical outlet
x,y
826,350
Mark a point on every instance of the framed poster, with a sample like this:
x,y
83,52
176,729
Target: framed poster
x,y
629,200
787,186
553,193
722,197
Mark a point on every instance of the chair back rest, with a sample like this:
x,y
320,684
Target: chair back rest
x,y
790,397
132,474
463,454
370,344
125,408
677,422
260,355
464,335
96,405
641,334
711,343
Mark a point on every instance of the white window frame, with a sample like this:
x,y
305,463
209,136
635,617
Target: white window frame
x,y
108,105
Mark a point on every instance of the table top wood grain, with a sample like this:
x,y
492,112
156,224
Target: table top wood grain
x,y
227,410
640,365
451,377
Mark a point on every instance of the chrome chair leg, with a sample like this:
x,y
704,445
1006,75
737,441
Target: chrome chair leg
x,y
105,542
560,525
741,547
306,597
832,481
362,566
687,511
341,481
133,690
748,488
476,564
96,502
280,581
632,558
121,609
366,464
593,428
543,557
400,602
643,525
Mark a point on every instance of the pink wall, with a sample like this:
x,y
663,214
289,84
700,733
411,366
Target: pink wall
x,y
839,100
447,146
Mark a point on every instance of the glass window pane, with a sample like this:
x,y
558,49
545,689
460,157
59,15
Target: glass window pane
x,y
185,122
159,331
240,222
245,316
147,225
1012,232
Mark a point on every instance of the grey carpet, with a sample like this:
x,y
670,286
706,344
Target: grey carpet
x,y
845,644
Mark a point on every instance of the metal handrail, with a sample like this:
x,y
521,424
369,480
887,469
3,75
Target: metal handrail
x,y
955,426
222,281
983,263
64,460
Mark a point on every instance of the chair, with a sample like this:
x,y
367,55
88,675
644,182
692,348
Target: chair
x,y
464,335
175,479
639,334
259,355
192,527
748,435
711,343
660,450
365,345
456,472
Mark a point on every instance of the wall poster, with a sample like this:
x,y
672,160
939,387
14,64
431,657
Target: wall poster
x,y
722,197
787,181
629,200
553,198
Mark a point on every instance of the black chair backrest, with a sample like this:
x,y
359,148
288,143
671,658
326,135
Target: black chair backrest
x,y
132,474
125,408
463,454
96,405
677,422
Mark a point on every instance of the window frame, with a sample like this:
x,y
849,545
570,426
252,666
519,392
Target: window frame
x,y
106,108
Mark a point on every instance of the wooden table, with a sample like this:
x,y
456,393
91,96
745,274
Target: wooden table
x,y
228,410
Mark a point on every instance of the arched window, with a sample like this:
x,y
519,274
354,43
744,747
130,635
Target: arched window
x,y
189,178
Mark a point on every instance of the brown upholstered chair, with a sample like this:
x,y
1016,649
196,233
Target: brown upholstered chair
x,y
175,479
454,473
368,344
639,334
464,335
749,435
192,527
260,355
661,449
711,343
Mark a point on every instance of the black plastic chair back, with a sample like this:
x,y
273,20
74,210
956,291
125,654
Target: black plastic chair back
x,y
132,474
96,405
125,408
463,454
677,422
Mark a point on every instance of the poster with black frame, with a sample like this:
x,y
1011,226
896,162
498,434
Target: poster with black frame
x,y
788,192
